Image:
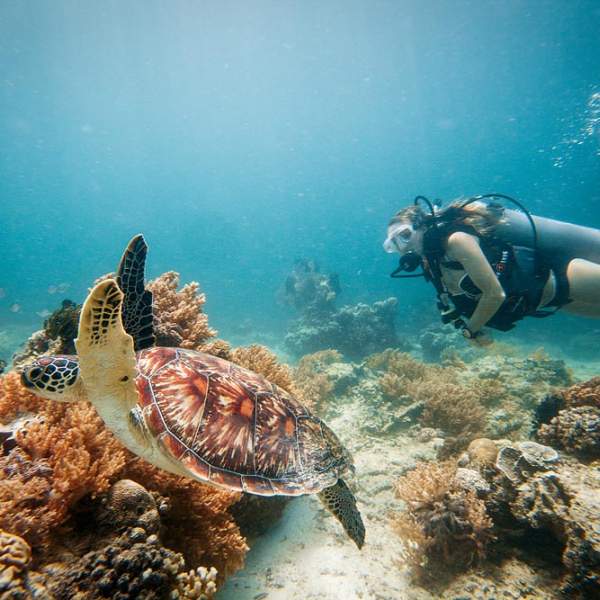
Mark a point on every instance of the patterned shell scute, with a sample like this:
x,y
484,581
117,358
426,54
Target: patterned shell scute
x,y
232,427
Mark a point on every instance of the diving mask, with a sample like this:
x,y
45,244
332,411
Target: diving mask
x,y
398,238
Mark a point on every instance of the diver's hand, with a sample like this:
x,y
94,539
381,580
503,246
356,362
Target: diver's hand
x,y
476,338
482,339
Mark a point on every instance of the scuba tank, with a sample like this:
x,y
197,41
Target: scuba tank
x,y
522,250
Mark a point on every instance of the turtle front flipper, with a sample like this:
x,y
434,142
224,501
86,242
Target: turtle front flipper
x,y
341,502
138,319
106,355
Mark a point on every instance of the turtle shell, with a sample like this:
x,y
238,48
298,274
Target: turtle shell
x,y
231,427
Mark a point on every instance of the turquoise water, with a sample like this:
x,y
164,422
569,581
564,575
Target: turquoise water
x,y
240,136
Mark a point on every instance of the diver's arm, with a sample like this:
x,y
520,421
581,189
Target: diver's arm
x,y
465,249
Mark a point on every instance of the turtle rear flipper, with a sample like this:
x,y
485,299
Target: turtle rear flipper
x,y
341,502
106,355
138,319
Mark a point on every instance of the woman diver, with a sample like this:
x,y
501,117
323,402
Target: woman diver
x,y
492,266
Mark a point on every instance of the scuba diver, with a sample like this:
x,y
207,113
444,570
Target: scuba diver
x,y
492,266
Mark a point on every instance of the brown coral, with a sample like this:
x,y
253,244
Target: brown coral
x,y
261,360
576,428
448,404
179,320
15,556
454,408
198,524
399,363
313,386
445,527
583,394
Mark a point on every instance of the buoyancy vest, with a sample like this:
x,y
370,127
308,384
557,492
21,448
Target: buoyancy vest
x,y
521,270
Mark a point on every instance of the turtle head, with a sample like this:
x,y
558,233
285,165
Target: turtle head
x,y
54,378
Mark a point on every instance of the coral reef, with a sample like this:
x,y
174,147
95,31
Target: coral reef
x,y
62,325
445,527
261,360
533,495
576,430
63,453
59,456
179,320
57,336
356,331
570,420
438,396
309,291
116,552
314,386
199,523
38,344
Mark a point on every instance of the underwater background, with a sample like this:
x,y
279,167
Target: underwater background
x,y
240,136
243,137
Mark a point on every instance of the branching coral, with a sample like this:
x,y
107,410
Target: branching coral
x,y
314,387
445,527
62,454
398,363
179,317
261,360
448,403
15,400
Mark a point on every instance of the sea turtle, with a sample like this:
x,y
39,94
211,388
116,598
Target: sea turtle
x,y
192,413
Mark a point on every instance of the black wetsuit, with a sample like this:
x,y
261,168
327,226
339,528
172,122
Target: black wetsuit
x,y
521,270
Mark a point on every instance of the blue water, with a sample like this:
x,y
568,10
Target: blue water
x,y
238,136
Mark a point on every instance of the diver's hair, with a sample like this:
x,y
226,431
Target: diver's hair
x,y
482,217
413,215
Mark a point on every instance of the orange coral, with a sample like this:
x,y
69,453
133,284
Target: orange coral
x,y
199,524
65,453
62,454
445,528
261,360
179,320
15,400
217,347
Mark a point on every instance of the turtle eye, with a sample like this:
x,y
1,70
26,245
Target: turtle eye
x,y
35,373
